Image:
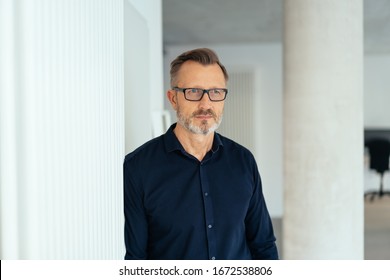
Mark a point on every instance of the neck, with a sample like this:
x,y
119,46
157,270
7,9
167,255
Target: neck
x,y
196,145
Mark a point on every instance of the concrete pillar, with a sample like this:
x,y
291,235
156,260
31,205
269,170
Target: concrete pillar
x,y
323,130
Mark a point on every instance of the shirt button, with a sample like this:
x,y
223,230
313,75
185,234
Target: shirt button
x,y
210,226
213,258
206,194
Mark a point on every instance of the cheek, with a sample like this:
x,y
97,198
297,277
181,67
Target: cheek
x,y
184,107
219,109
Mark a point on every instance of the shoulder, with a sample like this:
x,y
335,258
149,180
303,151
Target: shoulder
x,y
235,148
139,162
240,160
237,155
148,150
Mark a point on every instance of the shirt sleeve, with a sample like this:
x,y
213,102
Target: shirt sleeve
x,y
259,230
136,227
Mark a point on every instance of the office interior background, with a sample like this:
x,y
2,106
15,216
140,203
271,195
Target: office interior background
x,y
82,83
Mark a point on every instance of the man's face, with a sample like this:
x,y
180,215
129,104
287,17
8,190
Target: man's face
x,y
204,116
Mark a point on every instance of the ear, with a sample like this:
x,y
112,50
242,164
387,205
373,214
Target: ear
x,y
172,97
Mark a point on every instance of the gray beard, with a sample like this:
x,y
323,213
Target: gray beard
x,y
202,129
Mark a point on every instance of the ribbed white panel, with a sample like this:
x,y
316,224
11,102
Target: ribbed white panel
x,y
9,246
238,118
72,129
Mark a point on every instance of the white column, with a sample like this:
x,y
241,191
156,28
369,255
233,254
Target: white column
x,y
9,134
65,96
323,130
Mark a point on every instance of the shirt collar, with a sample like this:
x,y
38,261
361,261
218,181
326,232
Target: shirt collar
x,y
173,144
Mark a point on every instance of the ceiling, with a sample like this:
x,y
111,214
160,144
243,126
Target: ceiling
x,y
254,21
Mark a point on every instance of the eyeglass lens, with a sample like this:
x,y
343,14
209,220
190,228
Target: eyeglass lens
x,y
196,94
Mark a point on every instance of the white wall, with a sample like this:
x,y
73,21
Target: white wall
x,y
377,91
137,73
143,71
266,61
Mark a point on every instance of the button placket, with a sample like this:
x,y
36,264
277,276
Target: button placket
x,y
208,210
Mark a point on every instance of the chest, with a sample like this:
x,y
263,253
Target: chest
x,y
188,196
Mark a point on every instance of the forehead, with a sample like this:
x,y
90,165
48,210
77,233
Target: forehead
x,y
195,73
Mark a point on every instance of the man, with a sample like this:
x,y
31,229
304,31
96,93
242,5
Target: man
x,y
192,193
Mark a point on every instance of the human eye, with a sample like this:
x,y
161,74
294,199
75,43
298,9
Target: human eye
x,y
193,93
196,90
216,91
192,90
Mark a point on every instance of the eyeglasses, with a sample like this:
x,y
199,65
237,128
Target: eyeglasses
x,y
196,94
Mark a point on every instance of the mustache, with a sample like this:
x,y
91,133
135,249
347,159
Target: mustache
x,y
207,112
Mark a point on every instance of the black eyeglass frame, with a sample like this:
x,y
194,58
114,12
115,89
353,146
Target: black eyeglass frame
x,y
204,91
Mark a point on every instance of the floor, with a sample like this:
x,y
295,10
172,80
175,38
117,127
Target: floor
x,y
376,229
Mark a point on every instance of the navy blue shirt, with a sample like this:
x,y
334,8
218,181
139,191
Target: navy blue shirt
x,y
177,207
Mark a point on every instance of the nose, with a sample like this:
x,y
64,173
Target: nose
x,y
205,102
